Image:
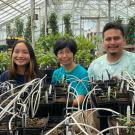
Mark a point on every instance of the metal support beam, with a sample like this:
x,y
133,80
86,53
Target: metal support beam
x,y
80,25
93,18
109,10
33,22
98,20
45,17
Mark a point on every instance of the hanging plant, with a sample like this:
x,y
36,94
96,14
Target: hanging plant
x,y
53,23
66,19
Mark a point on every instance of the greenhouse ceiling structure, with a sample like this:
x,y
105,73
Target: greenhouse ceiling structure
x,y
93,9
86,14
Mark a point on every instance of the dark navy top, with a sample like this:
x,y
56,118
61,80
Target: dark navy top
x,y
19,79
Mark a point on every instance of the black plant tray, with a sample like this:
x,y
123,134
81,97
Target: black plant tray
x,y
53,121
23,131
120,107
30,131
118,104
31,123
51,109
110,105
6,132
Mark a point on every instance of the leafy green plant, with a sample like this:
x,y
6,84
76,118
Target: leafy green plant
x,y
44,51
47,41
84,43
47,59
83,55
4,60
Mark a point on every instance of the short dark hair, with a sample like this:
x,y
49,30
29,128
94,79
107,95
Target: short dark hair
x,y
113,25
65,42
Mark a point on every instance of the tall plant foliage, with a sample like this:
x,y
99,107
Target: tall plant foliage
x,y
27,33
67,24
53,24
42,30
19,27
8,29
131,31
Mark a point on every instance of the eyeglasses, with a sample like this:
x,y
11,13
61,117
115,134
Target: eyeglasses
x,y
67,52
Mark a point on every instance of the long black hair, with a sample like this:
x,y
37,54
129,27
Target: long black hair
x,y
31,68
